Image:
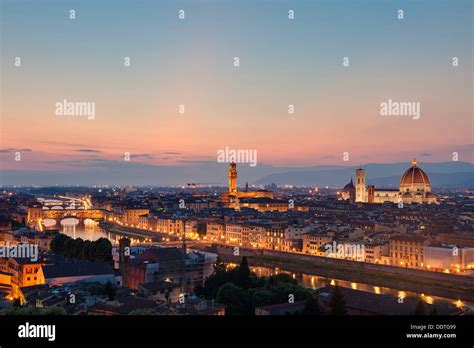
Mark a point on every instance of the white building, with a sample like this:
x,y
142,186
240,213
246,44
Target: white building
x,y
448,258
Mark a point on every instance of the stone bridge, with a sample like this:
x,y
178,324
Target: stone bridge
x,y
80,214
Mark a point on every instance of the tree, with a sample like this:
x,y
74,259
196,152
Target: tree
x,y
85,250
34,311
219,267
77,247
103,251
311,307
281,293
54,311
213,283
57,244
243,277
92,249
95,289
97,251
199,289
235,298
337,303
143,311
69,248
109,290
282,278
420,308
220,277
261,297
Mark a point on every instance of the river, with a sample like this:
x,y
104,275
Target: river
x,y
92,231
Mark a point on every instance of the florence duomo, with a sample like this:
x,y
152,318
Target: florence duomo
x,y
415,187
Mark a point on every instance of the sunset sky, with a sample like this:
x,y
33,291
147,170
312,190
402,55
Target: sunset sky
x,y
190,62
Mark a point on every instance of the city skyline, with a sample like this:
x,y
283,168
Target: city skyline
x,y
207,174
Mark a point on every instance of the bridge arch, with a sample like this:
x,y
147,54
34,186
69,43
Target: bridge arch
x,y
70,221
48,223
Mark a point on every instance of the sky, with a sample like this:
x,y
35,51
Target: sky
x,y
191,62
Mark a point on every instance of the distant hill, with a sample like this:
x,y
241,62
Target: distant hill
x,y
441,174
437,180
134,173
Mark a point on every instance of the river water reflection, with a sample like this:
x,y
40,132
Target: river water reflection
x,y
92,232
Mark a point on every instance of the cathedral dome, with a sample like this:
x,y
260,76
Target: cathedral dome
x,y
348,187
415,178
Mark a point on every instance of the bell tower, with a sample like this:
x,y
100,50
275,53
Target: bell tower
x,y
232,178
360,185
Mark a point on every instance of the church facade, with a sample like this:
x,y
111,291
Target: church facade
x,y
415,187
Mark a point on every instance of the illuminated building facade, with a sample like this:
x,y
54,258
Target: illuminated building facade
x,y
313,243
232,178
349,192
407,251
233,195
415,187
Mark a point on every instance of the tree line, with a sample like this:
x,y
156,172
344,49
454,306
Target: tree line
x,y
94,251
